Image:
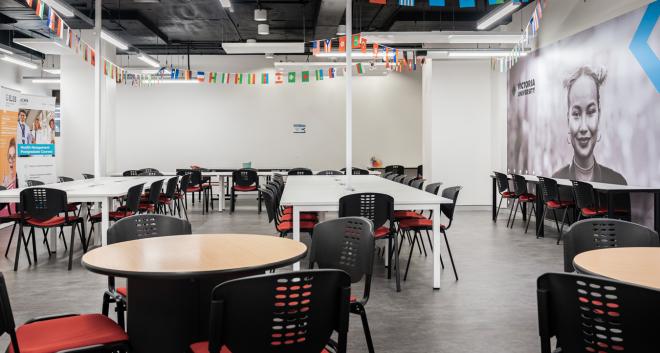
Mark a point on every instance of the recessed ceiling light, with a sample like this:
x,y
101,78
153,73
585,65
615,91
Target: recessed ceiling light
x,y
341,30
269,55
149,60
112,39
497,15
21,62
260,15
263,29
46,80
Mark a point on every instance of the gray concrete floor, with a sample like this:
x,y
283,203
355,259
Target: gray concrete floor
x,y
492,308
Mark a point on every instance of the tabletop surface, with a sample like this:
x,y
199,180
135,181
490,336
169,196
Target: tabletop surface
x,y
632,265
193,255
227,173
98,187
596,185
321,190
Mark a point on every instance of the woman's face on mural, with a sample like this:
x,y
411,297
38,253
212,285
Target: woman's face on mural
x,y
11,157
583,116
51,123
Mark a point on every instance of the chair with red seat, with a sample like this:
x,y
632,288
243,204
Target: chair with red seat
x,y
60,333
131,172
132,228
379,209
151,204
130,207
245,180
179,195
197,184
585,200
284,222
505,193
165,200
16,220
347,244
433,188
293,312
398,169
523,197
552,201
44,206
417,225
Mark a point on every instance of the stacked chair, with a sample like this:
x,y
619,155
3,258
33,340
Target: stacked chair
x,y
282,216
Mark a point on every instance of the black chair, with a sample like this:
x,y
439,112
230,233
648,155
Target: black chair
x,y
285,312
417,184
347,244
31,183
131,172
399,169
359,171
16,219
284,221
64,179
179,195
166,198
594,314
379,209
88,176
245,180
522,197
552,201
392,176
585,201
330,172
60,333
505,193
399,178
131,206
433,188
151,202
597,233
133,228
300,171
41,208
420,171
196,184
149,172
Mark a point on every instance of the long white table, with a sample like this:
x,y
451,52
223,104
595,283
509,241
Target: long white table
x,y
98,190
322,193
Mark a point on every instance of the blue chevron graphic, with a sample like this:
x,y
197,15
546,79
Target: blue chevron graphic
x,y
640,47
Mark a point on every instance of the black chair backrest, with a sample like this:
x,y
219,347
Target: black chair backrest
x,y
7,323
147,226
64,179
399,169
519,184
294,312
88,176
154,191
245,177
184,182
433,188
502,182
149,171
584,194
407,180
31,183
376,207
417,184
597,233
170,188
195,178
448,209
550,189
420,171
277,177
131,172
43,203
594,314
330,172
392,176
358,171
133,195
300,171
269,202
399,178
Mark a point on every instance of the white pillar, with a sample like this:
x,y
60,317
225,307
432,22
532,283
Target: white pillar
x,y
98,80
349,93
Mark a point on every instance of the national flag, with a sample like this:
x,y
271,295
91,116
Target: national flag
x,y
213,77
495,2
342,44
387,54
238,79
331,72
406,2
92,54
29,3
316,47
539,9
105,68
176,74
226,78
441,2
278,78
363,45
112,71
292,77
319,74
378,2
305,76
69,41
327,45
200,76
356,41
40,9
252,79
468,3
358,66
60,28
52,19
187,75
375,50
264,78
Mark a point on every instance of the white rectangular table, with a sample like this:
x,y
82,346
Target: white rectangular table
x,y
98,190
322,193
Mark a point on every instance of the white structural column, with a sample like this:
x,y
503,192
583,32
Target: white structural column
x,y
98,81
349,92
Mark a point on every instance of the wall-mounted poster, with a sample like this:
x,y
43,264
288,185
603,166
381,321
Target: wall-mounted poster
x,y
588,107
8,149
35,137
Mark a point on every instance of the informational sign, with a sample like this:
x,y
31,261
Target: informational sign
x,y
8,149
299,128
35,137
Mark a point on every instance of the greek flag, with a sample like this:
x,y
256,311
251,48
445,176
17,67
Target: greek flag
x,y
406,2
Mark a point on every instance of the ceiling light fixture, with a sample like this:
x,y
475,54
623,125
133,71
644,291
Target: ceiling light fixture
x,y
225,3
149,60
176,81
53,71
263,29
341,30
260,15
60,7
21,62
3,50
46,80
112,39
355,55
251,47
482,54
269,56
496,15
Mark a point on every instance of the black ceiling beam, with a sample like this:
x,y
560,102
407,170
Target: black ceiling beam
x,y
115,16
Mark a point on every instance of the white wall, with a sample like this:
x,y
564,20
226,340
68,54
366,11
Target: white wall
x,y
175,125
11,76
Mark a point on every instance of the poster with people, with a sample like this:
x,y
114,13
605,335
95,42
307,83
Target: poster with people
x,y
587,108
35,138
8,149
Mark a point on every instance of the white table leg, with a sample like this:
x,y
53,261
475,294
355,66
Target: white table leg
x,y
436,247
221,194
105,219
296,232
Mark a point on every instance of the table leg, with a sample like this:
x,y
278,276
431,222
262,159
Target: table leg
x,y
656,211
105,219
494,196
221,196
296,232
436,247
538,216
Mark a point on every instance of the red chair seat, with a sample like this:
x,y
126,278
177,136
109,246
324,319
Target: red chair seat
x,y
193,189
114,215
289,210
527,198
164,199
406,214
559,204
72,207
11,217
589,211
67,333
353,298
416,223
245,188
303,217
508,194
381,232
203,347
288,226
123,291
52,222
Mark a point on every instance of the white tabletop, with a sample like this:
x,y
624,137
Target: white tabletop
x,y
229,173
596,185
319,190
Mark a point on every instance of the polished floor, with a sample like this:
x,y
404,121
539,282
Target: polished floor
x,y
492,308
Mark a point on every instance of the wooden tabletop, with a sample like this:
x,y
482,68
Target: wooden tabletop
x,y
193,255
639,266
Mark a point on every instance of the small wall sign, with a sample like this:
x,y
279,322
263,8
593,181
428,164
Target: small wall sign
x,y
299,128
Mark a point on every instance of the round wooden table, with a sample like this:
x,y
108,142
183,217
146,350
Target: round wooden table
x,y
170,280
639,266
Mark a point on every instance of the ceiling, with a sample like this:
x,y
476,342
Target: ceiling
x,y
200,26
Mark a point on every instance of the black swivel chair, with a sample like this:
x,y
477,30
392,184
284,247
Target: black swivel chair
x,y
64,179
347,244
133,228
131,172
399,169
283,312
594,314
300,171
245,180
598,233
329,172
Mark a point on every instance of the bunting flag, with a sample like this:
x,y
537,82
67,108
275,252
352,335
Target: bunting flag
x,y
331,72
92,55
292,77
200,76
264,78
252,79
226,78
468,3
69,41
319,74
105,68
342,44
359,68
60,29
305,76
213,76
439,2
238,79
52,19
495,2
278,78
316,47
406,2
29,3
387,55
375,50
356,41
379,2
327,45
363,45
40,9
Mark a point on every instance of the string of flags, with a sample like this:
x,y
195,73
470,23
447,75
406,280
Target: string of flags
x,y
440,3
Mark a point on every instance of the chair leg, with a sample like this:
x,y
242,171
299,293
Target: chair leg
x,y
11,237
45,232
563,219
554,214
515,213
510,213
451,258
105,307
81,234
499,205
233,201
532,210
19,240
34,244
538,230
120,308
73,234
365,326
421,240
259,201
412,248
419,246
